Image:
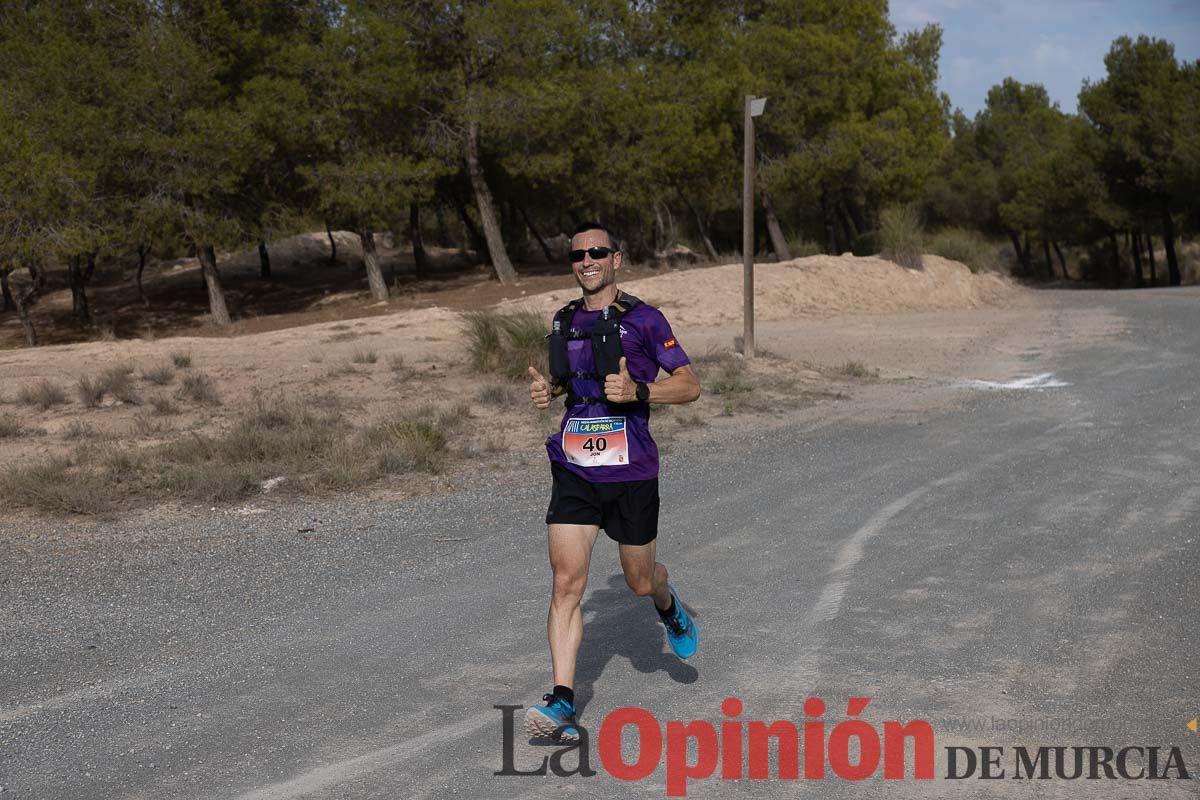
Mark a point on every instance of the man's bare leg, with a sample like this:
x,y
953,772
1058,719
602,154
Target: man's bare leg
x,y
645,576
648,578
570,557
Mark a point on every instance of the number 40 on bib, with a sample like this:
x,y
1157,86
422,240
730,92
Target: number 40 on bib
x,y
596,441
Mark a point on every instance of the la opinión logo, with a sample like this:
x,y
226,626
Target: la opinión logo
x,y
739,749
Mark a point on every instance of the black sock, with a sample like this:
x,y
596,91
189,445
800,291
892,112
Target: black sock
x,y
564,693
668,613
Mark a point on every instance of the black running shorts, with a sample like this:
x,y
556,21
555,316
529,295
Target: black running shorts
x,y
626,510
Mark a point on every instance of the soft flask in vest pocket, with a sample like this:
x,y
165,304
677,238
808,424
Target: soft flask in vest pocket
x,y
606,344
560,364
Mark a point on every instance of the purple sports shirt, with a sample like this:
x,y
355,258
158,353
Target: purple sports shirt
x,y
603,442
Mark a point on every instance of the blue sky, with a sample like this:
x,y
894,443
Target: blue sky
x,y
1056,43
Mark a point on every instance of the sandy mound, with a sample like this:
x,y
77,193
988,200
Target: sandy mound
x,y
813,287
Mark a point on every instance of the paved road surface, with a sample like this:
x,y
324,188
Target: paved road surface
x,y
1017,558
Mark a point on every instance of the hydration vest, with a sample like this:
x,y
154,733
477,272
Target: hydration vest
x,y
606,345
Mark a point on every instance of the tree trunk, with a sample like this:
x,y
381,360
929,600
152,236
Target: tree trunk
x,y
332,244
1153,263
6,292
1049,263
778,242
660,230
371,262
541,242
38,276
702,228
1173,275
143,251
212,281
443,231
1136,240
1022,252
474,237
832,245
501,266
849,223
1116,253
420,261
23,298
78,283
264,261
1061,259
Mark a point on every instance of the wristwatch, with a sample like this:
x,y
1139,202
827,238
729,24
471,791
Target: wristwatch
x,y
642,392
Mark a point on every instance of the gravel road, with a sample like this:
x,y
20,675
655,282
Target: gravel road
x,y
1017,566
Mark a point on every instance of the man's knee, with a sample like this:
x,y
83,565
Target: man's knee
x,y
569,585
642,584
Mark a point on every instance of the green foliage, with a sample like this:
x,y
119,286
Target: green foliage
x,y
966,247
900,236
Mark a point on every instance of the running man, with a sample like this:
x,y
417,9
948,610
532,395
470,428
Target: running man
x,y
603,461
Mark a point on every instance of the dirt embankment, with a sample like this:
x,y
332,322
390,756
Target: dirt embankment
x,y
816,287
372,369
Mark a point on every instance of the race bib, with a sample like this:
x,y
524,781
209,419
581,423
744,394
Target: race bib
x,y
596,442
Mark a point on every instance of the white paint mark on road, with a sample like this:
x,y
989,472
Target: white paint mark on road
x,y
1045,380
341,772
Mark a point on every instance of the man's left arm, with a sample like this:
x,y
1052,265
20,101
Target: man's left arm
x,y
659,343
681,386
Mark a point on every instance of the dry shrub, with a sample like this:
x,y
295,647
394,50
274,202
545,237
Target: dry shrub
x,y
89,392
52,485
364,357
690,419
507,344
181,359
414,441
199,388
855,369
499,394
42,394
722,372
967,247
10,427
900,236
159,376
163,406
118,383
78,429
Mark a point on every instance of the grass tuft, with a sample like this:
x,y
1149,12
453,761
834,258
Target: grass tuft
x,y
90,392
507,344
199,388
159,376
900,236
364,357
118,382
855,369
181,360
966,247
43,394
10,427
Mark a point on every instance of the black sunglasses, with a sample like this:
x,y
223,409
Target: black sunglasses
x,y
596,253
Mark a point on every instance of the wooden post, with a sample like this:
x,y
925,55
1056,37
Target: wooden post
x,y
748,233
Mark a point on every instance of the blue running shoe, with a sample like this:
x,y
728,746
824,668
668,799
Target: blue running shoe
x,y
555,720
681,629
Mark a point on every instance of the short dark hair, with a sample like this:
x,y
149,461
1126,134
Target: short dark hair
x,y
583,227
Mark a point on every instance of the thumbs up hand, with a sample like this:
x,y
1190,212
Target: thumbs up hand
x,y
539,389
620,388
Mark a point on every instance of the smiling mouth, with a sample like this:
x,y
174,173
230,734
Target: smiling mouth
x,y
589,273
